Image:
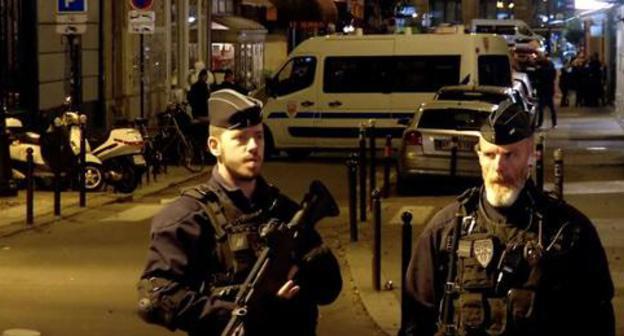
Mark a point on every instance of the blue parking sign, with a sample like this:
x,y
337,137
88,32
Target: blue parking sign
x,y
71,6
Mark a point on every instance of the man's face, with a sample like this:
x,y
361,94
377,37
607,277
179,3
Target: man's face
x,y
242,152
505,169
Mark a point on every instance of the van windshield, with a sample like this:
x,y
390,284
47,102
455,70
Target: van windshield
x,y
494,70
496,29
453,119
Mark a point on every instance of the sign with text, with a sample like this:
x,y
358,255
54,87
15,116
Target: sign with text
x,y
141,22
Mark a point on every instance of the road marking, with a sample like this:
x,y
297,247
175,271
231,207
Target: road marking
x,y
419,214
136,213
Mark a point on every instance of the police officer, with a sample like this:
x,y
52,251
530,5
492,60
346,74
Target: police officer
x,y
526,263
207,240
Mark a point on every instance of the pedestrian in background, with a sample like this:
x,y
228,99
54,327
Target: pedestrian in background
x,y
565,79
229,82
198,99
546,75
526,263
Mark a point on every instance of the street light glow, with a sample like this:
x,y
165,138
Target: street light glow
x,y
590,4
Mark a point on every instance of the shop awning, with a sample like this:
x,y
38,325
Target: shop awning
x,y
306,10
234,29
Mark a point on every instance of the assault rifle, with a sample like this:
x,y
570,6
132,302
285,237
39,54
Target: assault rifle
x,y
275,261
446,324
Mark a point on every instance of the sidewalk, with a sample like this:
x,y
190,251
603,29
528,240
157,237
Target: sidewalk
x,y
13,209
384,307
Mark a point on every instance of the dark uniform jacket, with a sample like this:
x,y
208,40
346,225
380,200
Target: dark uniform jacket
x,y
184,262
571,297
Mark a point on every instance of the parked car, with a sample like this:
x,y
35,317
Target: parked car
x,y
488,94
436,128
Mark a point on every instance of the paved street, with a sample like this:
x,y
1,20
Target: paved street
x,y
77,276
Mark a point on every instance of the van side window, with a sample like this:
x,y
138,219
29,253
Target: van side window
x,y
425,73
296,75
359,74
385,74
494,70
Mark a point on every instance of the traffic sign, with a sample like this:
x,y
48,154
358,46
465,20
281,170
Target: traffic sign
x,y
71,29
141,22
141,4
71,6
71,24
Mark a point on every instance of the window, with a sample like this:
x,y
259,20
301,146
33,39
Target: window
x,y
425,73
356,74
496,29
494,70
390,73
296,75
453,119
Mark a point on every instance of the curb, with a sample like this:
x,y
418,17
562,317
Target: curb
x,y
96,201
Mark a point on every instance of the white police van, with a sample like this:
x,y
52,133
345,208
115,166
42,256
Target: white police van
x,y
329,85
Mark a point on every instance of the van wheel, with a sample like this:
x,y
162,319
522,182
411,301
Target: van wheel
x,y
298,154
269,143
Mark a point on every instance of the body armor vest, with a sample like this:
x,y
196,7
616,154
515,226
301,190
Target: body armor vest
x,y
236,234
498,270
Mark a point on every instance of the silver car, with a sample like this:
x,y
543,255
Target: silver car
x,y
488,94
437,127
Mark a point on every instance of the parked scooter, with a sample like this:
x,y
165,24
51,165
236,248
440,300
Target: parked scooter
x,y
121,153
52,150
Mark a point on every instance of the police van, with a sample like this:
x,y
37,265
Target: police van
x,y
330,85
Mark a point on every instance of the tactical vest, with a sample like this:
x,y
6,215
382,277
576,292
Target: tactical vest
x,y
498,270
236,234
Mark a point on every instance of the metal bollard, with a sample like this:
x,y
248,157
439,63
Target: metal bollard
x,y
362,170
454,148
539,163
30,169
406,255
372,182
387,165
83,154
57,193
558,187
352,185
375,196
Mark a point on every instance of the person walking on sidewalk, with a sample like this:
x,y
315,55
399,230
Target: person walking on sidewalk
x,y
546,74
526,263
198,99
204,244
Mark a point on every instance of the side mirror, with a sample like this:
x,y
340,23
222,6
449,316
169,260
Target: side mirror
x,y
404,121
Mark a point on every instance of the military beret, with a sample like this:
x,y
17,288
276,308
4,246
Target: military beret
x,y
508,124
232,110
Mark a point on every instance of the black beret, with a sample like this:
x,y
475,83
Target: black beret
x,y
232,110
508,124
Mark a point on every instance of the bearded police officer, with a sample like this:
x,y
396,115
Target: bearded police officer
x,y
522,263
207,240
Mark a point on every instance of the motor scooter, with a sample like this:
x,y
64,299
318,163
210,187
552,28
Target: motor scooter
x,y
121,152
52,150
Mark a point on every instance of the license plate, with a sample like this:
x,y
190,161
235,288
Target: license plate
x,y
447,144
138,160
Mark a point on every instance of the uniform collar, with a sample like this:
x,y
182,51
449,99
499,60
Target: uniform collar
x,y
235,194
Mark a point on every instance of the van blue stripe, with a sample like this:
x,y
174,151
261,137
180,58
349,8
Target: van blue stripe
x,y
343,115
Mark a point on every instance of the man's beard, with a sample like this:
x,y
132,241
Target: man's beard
x,y
501,196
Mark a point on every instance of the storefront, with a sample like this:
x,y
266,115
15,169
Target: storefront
x,y
238,45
